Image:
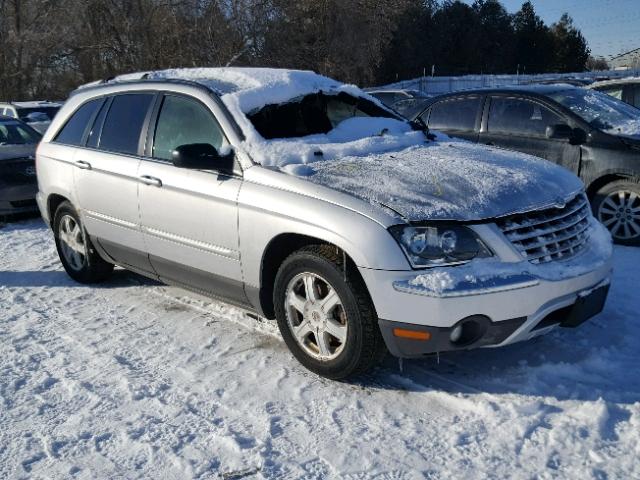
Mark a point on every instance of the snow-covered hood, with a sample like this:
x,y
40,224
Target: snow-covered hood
x,y
11,152
452,180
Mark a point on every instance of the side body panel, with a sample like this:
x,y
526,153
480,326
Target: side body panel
x,y
55,169
267,210
190,225
107,197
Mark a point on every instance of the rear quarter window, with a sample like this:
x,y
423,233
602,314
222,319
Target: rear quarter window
x,y
73,131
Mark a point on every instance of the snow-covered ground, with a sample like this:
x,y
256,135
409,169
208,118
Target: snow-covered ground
x,y
132,379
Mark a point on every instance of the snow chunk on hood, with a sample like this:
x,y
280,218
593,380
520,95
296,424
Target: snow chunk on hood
x,y
357,136
452,180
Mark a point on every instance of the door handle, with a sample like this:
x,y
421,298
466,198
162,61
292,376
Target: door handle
x,y
153,181
491,144
82,164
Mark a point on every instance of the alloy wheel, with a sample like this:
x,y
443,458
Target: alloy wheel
x,y
620,213
316,316
72,242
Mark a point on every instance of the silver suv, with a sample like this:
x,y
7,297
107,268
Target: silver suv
x,y
305,200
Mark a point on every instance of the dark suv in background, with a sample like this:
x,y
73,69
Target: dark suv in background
x,y
592,134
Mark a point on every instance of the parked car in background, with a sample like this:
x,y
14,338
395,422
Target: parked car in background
x,y
576,82
18,184
625,89
592,134
37,115
299,198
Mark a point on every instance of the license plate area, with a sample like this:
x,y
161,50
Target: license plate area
x,y
586,306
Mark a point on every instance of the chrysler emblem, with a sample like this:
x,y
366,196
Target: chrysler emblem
x,y
560,203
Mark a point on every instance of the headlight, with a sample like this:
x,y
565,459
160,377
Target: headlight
x,y
434,246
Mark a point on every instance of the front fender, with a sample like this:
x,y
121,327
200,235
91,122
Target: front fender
x,y
266,213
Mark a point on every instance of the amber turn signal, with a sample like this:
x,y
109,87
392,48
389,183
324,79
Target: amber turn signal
x,y
412,334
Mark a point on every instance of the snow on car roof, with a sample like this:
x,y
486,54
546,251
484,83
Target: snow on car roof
x,y
36,104
247,88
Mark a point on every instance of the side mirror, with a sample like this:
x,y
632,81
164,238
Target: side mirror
x,y
579,137
201,156
576,136
559,131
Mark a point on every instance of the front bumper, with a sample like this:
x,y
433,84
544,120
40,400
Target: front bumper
x,y
510,301
16,199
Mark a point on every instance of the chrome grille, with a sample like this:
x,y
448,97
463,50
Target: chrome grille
x,y
551,234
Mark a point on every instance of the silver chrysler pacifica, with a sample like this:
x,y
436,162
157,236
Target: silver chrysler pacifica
x,y
307,201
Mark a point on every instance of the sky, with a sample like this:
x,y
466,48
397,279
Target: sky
x,y
611,27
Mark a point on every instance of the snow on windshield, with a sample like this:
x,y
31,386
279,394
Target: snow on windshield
x,y
601,111
354,137
323,127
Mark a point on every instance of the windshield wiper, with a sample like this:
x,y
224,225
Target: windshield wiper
x,y
418,124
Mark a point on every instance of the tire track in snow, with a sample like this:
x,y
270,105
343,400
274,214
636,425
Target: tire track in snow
x,y
135,377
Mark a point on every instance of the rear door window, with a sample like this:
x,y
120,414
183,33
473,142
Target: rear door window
x,y
520,117
457,114
73,131
124,122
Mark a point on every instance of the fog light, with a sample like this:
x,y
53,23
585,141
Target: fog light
x,y
456,334
469,330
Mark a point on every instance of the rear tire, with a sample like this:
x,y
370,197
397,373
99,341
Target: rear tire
x,y
77,254
617,207
333,331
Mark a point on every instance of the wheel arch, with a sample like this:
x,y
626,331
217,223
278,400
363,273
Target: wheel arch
x,y
603,180
276,252
54,200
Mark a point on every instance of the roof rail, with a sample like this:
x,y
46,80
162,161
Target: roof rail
x,y
106,83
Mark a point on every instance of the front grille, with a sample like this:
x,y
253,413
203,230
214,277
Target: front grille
x,y
551,234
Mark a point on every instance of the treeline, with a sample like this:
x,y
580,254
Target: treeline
x,y
48,47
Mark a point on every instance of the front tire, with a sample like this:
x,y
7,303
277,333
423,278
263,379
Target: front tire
x,y
617,207
325,314
79,258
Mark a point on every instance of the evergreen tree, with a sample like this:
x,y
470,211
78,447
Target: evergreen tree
x,y
457,29
496,40
570,48
533,41
411,49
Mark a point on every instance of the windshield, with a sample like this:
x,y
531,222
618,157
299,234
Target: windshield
x,y
16,133
601,111
27,114
313,114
